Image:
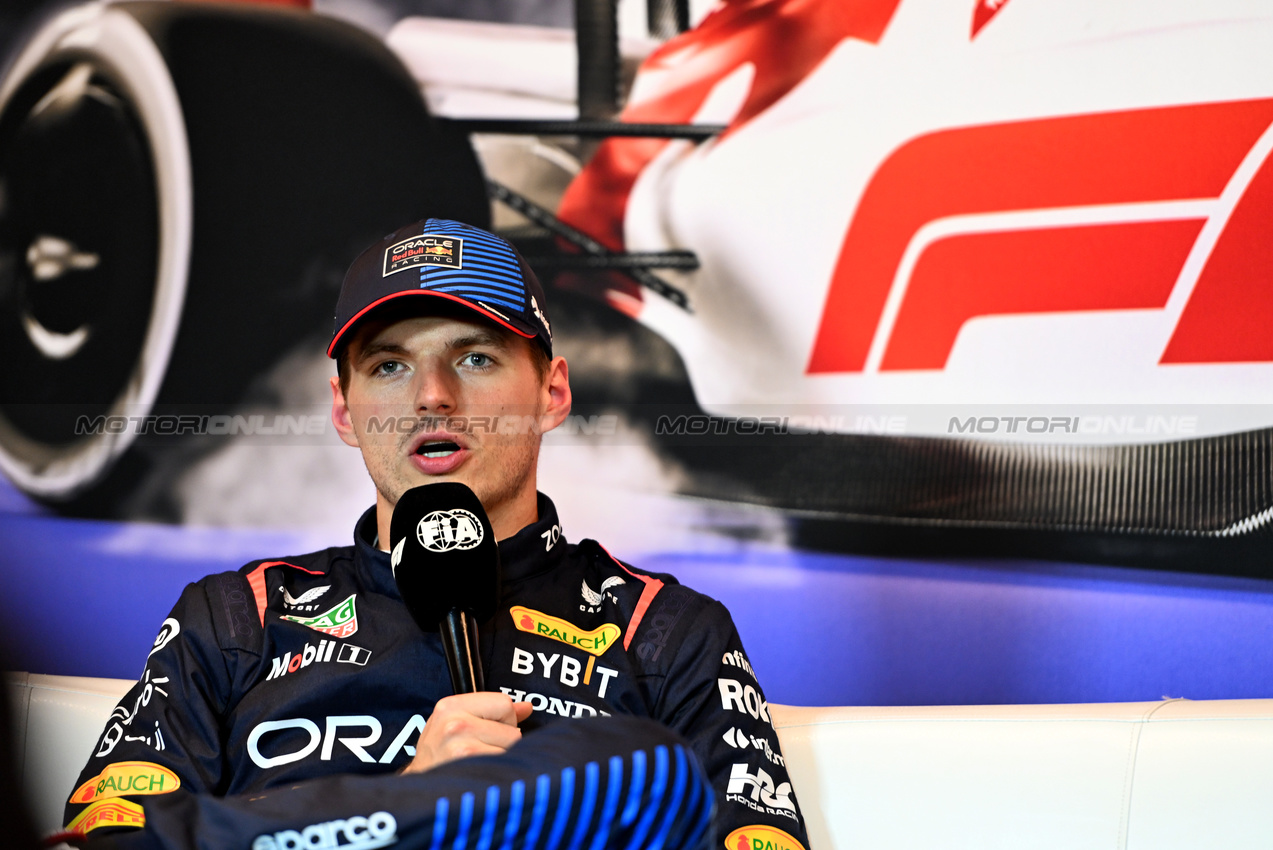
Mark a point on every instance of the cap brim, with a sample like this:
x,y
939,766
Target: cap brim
x,y
502,321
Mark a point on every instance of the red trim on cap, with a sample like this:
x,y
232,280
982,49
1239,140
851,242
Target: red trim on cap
x,y
652,588
331,348
256,580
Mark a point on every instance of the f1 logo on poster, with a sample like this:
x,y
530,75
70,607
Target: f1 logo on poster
x,y
1003,215
1078,213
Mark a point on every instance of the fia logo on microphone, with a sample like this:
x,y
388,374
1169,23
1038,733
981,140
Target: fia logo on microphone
x,y
445,531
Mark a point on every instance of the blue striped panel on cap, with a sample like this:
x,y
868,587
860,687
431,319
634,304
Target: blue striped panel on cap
x,y
490,271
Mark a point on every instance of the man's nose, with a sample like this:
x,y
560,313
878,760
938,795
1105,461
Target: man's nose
x,y
435,390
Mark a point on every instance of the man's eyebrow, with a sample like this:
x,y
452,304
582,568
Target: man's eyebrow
x,y
490,338
375,348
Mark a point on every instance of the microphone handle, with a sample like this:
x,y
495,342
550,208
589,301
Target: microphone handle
x,y
463,659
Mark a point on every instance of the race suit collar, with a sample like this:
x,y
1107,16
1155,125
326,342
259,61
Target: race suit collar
x,y
534,550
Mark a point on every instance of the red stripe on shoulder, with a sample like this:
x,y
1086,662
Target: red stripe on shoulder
x,y
256,580
652,588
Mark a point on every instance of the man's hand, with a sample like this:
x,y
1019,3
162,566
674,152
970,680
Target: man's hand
x,y
480,724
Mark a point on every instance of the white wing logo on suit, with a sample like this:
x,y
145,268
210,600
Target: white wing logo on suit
x,y
593,598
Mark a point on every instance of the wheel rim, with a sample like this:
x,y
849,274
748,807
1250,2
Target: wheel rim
x,y
95,228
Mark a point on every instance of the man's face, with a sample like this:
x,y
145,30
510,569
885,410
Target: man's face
x,y
438,398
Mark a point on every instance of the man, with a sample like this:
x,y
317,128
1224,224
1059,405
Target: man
x,y
287,695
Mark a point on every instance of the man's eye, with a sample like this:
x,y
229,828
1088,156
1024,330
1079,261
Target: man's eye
x,y
389,367
477,360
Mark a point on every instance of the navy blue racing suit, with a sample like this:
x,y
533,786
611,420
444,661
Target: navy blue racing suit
x,y
284,696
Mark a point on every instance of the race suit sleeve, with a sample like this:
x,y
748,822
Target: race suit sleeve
x,y
165,733
617,782
712,698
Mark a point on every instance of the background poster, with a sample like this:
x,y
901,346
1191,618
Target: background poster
x,y
965,401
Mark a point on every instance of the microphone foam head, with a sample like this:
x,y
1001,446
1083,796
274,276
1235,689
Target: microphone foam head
x,y
444,553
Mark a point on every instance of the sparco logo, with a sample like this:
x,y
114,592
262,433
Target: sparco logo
x,y
660,628
378,830
442,531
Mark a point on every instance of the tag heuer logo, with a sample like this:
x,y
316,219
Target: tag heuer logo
x,y
341,621
424,250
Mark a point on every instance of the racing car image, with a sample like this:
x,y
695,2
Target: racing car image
x,y
990,265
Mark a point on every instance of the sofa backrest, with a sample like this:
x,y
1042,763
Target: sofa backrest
x,y
1172,774
1162,775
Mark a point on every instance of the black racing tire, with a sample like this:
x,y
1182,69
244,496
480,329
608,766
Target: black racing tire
x,y
181,188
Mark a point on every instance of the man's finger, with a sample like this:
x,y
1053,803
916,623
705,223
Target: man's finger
x,y
485,704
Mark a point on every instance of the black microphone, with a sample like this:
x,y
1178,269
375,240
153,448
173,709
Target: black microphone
x,y
446,563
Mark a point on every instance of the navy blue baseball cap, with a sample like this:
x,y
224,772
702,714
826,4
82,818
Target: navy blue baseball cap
x,y
449,260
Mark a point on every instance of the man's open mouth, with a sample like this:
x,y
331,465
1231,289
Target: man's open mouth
x,y
439,448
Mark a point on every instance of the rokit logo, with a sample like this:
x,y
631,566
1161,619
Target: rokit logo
x,y
656,633
321,654
568,675
740,740
403,742
739,697
356,833
759,792
592,599
307,601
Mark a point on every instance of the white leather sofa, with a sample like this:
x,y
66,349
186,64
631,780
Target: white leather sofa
x,y
1172,774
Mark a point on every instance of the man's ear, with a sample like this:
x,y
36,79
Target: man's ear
x,y
340,415
556,395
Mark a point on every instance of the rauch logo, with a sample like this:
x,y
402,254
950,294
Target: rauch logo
x,y
596,641
127,777
761,837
